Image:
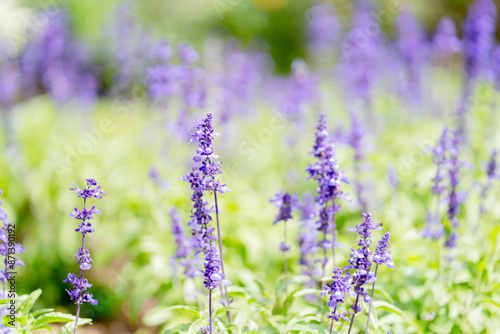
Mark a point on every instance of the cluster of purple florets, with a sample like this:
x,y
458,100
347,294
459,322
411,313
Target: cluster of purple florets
x,y
360,260
185,246
359,271
286,202
479,40
203,178
79,293
328,177
336,291
446,157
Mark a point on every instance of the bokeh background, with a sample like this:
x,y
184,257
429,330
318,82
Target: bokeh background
x,y
128,144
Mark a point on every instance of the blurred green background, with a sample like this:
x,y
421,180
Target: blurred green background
x,y
47,148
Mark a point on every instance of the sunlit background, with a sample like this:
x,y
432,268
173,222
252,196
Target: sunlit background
x,y
82,94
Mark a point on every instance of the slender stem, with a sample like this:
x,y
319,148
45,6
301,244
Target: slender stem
x,y
81,277
210,309
355,310
81,273
371,300
285,266
331,220
331,325
225,295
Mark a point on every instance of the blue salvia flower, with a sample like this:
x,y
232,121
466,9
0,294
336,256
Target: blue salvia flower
x,y
492,174
413,49
478,41
210,167
361,52
301,91
79,293
360,261
286,203
325,171
336,291
381,256
323,30
454,198
445,41
434,229
203,178
191,79
185,247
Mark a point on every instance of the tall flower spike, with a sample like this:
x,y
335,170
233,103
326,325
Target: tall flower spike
x,y
360,261
79,293
434,229
492,174
325,171
286,203
336,291
185,247
445,41
203,178
381,256
455,199
479,40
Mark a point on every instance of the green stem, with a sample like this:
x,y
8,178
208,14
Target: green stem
x,y
371,301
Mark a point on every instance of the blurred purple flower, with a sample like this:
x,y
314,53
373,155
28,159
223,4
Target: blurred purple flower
x,y
478,42
445,41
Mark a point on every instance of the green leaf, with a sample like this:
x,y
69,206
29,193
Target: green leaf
x,y
234,329
177,329
225,309
52,317
42,311
195,327
159,315
33,297
70,326
391,308
305,292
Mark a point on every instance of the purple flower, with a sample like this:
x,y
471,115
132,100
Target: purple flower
x,y
203,178
325,171
89,192
79,293
361,53
4,330
479,31
336,291
360,261
413,49
210,167
323,28
286,203
382,256
453,196
439,153
301,91
185,247
212,269
445,41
